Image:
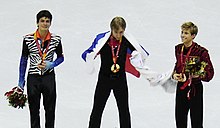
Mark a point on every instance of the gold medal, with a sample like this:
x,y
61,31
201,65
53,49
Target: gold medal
x,y
115,68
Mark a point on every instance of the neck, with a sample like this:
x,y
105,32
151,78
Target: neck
x,y
188,44
43,34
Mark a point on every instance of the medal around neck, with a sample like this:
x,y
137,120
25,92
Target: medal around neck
x,y
115,68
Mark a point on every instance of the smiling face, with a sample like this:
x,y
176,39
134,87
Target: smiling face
x,y
186,36
188,32
44,24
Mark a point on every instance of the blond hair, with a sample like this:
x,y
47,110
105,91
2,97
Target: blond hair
x,y
117,22
190,26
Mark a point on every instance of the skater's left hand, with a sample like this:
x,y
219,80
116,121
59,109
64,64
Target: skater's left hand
x,y
49,65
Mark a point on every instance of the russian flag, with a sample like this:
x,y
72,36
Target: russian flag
x,y
101,39
129,67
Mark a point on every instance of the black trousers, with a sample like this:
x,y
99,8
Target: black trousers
x,y
195,105
45,85
103,89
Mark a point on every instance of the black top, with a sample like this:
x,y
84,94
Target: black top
x,y
106,57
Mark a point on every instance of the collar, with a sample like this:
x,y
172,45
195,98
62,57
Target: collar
x,y
37,35
113,42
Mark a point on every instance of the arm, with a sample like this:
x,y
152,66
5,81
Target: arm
x,y
23,66
180,77
209,68
59,59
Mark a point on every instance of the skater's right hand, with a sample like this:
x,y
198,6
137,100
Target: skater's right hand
x,y
42,65
18,89
179,77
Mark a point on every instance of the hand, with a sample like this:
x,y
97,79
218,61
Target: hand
x,y
13,90
42,65
179,77
19,90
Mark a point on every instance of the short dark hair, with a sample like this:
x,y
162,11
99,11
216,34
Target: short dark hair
x,y
44,13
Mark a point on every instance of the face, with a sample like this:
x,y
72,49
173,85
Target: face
x,y
117,34
44,24
186,36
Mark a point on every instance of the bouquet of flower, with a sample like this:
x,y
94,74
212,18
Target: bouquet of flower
x,y
16,98
195,66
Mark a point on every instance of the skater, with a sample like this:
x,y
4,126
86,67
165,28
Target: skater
x,y
40,48
119,53
193,65
112,47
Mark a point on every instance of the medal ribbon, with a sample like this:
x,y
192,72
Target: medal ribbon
x,y
42,54
187,57
115,56
183,62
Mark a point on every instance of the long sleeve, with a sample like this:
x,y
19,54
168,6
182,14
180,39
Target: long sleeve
x,y
60,56
59,59
23,65
209,68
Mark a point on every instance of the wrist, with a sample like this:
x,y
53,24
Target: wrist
x,y
49,64
21,84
